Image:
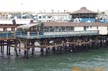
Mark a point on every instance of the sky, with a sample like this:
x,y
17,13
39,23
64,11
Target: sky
x,y
48,5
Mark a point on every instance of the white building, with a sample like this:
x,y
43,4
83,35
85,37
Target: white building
x,y
54,16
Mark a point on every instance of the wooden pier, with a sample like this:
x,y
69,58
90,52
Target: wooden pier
x,y
59,45
26,41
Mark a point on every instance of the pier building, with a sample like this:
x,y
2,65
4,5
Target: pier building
x,y
55,37
84,15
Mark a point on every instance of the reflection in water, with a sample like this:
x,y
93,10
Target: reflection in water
x,y
91,59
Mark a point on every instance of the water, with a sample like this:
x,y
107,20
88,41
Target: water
x,y
65,62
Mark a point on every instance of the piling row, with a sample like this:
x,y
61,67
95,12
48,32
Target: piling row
x,y
55,45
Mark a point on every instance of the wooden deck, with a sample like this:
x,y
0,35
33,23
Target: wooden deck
x,y
7,39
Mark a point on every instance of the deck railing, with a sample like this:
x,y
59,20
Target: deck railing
x,y
7,34
58,34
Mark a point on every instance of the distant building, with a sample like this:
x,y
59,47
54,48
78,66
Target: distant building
x,y
83,15
54,16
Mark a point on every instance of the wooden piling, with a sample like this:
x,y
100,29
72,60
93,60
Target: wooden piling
x,y
7,49
33,51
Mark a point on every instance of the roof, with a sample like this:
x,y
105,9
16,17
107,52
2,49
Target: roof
x,y
27,26
9,25
74,24
83,10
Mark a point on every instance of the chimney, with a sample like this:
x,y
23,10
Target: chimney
x,y
14,21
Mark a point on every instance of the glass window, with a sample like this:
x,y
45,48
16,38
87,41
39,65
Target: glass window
x,y
44,16
97,27
85,28
49,16
12,29
4,29
72,28
40,17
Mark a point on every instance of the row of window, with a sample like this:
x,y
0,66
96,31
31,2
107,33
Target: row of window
x,y
58,29
5,29
40,17
63,29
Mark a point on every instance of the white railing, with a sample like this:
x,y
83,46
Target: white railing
x,y
72,32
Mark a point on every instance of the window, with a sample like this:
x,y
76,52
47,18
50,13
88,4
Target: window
x,y
63,29
49,16
51,29
46,29
97,27
90,26
85,28
40,17
12,29
4,29
33,29
72,28
44,17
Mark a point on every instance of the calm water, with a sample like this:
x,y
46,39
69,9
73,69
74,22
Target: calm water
x,y
92,58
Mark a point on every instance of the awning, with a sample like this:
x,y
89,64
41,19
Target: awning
x,y
26,26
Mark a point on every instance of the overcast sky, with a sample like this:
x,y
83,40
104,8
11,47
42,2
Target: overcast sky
x,y
48,5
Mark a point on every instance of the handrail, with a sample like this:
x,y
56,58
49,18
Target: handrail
x,y
7,34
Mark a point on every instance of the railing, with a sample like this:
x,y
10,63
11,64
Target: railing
x,y
7,34
33,35
89,32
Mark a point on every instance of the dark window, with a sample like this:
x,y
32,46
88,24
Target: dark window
x,y
12,29
4,29
90,26
72,28
39,17
97,27
85,28
49,16
44,16
63,29
46,29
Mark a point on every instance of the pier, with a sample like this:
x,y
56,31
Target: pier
x,y
26,40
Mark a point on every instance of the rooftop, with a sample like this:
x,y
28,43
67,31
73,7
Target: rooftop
x,y
74,24
83,10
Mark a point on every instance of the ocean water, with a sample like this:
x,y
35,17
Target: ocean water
x,y
93,59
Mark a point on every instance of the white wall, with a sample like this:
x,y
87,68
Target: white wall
x,y
8,29
54,17
102,30
18,21
1,29
78,28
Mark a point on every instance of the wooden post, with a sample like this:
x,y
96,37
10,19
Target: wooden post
x,y
25,52
42,51
1,46
26,49
15,48
32,51
7,47
9,50
15,51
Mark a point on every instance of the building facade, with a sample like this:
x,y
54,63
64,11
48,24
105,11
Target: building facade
x,y
54,17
